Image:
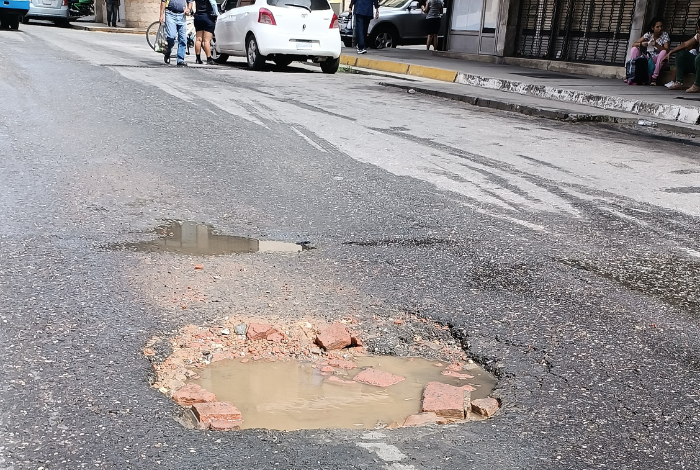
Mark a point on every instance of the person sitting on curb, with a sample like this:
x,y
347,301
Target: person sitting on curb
x,y
688,60
656,41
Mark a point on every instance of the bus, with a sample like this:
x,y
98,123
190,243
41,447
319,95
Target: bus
x,y
11,12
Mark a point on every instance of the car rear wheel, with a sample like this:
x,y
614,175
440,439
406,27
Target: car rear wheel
x,y
330,65
255,60
218,57
384,37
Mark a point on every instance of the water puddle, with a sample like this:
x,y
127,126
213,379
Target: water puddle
x,y
191,238
294,395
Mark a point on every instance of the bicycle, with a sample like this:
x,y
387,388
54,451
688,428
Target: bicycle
x,y
152,31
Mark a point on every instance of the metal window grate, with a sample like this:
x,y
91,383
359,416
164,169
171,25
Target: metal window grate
x,y
575,30
680,18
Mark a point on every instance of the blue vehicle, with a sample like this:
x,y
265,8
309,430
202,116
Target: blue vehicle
x,y
11,11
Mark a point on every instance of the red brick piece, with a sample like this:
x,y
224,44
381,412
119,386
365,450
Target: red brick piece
x,y
337,380
275,336
222,425
455,366
341,364
335,336
457,375
356,342
327,369
444,400
421,419
485,406
257,331
217,411
378,378
191,394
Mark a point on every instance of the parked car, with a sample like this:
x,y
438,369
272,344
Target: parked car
x,y
57,11
401,22
279,30
11,11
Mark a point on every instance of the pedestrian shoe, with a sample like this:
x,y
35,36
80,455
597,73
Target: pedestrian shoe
x,y
362,51
693,89
210,61
166,56
677,86
199,60
182,64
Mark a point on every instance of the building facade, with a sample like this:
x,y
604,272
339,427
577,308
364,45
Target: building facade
x,y
588,31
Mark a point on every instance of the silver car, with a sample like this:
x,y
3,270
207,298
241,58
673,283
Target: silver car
x,y
57,11
401,22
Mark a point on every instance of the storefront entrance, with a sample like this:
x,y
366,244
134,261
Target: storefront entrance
x,y
473,26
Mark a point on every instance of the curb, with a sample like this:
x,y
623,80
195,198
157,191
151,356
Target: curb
x,y
106,29
527,110
546,113
668,112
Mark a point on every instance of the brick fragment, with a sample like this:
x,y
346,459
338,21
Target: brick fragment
x,y
485,406
257,331
223,425
378,378
335,336
444,400
191,394
341,364
457,375
216,411
422,419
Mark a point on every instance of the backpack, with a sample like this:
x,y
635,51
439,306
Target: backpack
x,y
638,70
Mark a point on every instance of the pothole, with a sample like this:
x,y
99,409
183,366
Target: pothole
x,y
244,375
197,239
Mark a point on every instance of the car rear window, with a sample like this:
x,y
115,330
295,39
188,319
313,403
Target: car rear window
x,y
312,5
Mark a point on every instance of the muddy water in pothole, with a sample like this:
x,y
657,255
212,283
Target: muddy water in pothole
x,y
295,395
190,238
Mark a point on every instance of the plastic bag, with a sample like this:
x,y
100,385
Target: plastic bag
x,y
161,39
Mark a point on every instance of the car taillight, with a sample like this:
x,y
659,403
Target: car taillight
x,y
265,16
334,22
65,3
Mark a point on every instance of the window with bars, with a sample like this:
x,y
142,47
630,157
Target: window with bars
x,y
680,18
575,30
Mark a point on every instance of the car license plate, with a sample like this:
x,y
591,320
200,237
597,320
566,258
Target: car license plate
x,y
301,45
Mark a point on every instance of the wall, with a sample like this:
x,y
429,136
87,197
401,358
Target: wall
x,y
141,13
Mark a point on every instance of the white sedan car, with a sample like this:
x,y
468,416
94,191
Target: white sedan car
x,y
279,30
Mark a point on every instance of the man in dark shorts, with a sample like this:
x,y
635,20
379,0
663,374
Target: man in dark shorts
x,y
173,12
204,22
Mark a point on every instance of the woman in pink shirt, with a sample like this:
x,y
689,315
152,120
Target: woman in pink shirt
x,y
656,42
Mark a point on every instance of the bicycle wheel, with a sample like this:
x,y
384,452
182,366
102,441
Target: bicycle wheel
x,y
151,33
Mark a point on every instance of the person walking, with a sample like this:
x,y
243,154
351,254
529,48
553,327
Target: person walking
x,y
688,60
112,12
205,16
656,41
363,15
433,10
173,12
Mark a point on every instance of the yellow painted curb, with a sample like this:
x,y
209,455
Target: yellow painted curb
x,y
347,60
383,65
432,72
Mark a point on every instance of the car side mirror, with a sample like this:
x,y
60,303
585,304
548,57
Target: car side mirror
x,y
413,5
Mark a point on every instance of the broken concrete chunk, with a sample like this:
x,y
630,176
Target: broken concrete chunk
x,y
191,394
335,336
444,400
240,329
485,406
378,378
257,331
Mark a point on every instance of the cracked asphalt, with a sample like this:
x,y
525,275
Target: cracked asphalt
x,y
564,258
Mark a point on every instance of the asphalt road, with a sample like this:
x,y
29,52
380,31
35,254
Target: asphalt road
x,y
565,258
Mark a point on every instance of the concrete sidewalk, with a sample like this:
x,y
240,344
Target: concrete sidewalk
x,y
92,26
514,83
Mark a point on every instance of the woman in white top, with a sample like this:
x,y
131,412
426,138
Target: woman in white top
x,y
656,42
688,61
